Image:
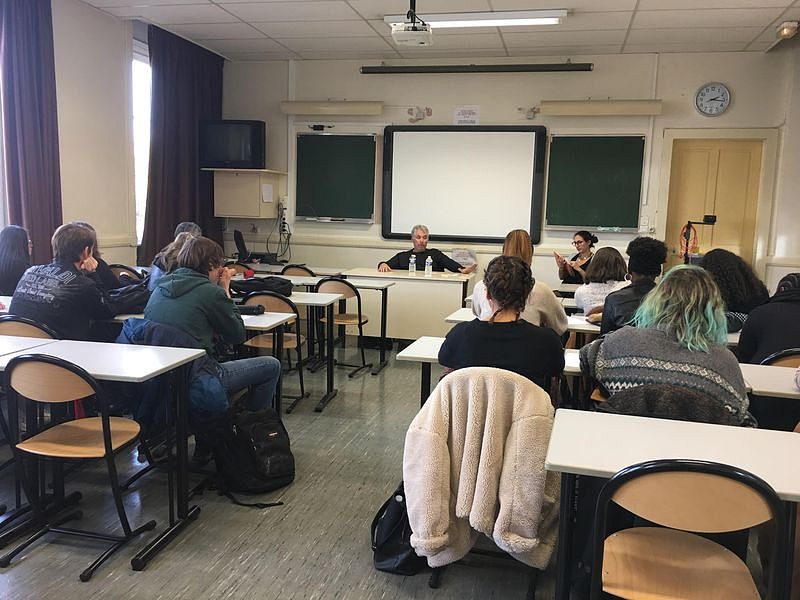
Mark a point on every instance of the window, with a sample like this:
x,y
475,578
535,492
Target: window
x,y
141,130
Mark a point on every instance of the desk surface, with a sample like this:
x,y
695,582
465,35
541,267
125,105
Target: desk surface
x,y
568,288
601,444
116,362
460,315
276,269
12,344
425,349
569,303
764,380
580,324
267,320
403,274
314,299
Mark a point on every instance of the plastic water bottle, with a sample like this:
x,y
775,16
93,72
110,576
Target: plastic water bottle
x,y
429,267
412,266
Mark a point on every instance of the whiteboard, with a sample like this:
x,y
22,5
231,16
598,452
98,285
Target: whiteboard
x,y
464,183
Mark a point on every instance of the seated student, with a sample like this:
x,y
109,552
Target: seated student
x,y
605,275
505,340
574,269
166,261
60,294
773,326
645,257
195,298
15,257
419,237
102,275
542,306
741,289
679,338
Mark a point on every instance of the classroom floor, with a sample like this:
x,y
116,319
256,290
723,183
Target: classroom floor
x,y
315,546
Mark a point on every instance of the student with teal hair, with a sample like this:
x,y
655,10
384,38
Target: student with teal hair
x,y
679,339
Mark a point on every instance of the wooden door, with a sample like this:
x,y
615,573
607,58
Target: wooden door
x,y
718,177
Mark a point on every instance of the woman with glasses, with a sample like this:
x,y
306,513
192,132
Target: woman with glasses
x,y
15,257
574,269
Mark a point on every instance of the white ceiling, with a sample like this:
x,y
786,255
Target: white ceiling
x,y
319,29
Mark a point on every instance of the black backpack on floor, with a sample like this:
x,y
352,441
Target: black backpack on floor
x,y
391,538
251,451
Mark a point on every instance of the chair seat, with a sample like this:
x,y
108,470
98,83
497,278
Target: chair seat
x,y
649,563
264,340
81,438
347,319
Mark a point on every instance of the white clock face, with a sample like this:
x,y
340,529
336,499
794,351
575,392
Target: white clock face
x,y
712,99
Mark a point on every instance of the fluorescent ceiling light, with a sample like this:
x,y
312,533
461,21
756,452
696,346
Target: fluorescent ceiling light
x,y
486,19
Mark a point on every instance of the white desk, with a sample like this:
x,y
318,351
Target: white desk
x,y
267,321
419,304
581,444
765,380
567,289
569,304
579,324
460,316
12,344
733,339
276,269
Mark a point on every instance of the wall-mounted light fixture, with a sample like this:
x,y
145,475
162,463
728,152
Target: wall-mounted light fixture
x,y
507,18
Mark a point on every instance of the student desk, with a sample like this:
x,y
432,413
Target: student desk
x,y
569,305
136,364
261,268
766,380
580,445
419,304
567,290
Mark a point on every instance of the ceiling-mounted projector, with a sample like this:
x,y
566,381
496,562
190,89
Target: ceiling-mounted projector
x,y
412,33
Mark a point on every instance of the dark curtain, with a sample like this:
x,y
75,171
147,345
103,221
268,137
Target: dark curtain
x,y
186,89
30,121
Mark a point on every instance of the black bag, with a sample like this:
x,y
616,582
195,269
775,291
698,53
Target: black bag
x,y
130,298
391,538
242,287
251,451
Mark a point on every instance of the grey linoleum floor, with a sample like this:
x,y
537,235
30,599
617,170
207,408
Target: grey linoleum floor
x,y
315,546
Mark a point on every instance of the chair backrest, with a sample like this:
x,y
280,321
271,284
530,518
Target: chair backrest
x,y
297,270
337,285
14,325
129,272
237,266
272,302
785,358
691,495
43,378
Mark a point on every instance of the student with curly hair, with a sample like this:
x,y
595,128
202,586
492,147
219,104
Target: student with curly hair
x,y
504,340
679,339
542,307
605,275
741,289
645,257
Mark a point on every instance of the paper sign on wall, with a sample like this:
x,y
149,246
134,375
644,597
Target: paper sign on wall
x,y
266,193
467,115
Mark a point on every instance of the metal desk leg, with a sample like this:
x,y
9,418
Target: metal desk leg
x,y
377,369
464,294
278,345
565,525
791,526
331,392
425,386
185,514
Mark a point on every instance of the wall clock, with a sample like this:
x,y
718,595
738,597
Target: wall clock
x,y
712,99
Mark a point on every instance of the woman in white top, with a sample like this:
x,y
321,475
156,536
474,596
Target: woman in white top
x,y
542,307
606,274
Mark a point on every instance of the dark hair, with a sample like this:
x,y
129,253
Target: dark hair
x,y
587,237
508,282
607,265
167,259
13,247
741,289
69,241
646,255
188,227
200,254
95,250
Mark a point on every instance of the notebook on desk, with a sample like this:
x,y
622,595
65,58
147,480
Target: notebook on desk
x,y
244,256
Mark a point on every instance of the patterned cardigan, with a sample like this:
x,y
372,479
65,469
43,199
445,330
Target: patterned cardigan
x,y
630,357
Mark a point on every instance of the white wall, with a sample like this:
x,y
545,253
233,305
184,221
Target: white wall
x,y
761,99
93,64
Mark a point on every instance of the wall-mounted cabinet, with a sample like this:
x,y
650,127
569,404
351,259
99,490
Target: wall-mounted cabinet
x,y
249,193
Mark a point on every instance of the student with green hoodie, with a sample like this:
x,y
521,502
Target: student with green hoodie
x,y
195,298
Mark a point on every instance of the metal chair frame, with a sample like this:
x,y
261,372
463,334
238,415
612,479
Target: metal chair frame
x,y
775,356
364,364
118,269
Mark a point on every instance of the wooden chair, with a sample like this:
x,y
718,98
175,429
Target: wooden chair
x,y
274,302
130,273
21,326
336,285
785,358
299,270
46,380
667,561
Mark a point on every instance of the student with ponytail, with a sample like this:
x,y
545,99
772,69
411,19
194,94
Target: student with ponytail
x,y
504,340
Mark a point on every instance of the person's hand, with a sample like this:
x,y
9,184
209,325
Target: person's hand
x,y
468,269
225,276
384,268
89,265
560,261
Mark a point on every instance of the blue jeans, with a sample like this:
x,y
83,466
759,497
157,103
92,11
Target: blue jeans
x,y
260,372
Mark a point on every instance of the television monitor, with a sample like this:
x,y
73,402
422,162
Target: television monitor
x,y
233,144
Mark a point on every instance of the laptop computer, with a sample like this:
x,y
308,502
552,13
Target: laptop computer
x,y
244,256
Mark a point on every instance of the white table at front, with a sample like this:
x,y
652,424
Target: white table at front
x,y
276,269
579,445
136,364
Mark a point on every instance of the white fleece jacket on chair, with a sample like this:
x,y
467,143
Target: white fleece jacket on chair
x,y
474,462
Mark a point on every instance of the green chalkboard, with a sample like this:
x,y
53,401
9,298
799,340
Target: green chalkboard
x,y
595,181
335,176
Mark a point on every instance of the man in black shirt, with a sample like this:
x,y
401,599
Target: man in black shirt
x,y
419,237
59,294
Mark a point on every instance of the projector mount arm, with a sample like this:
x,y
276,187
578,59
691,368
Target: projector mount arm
x,y
411,15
